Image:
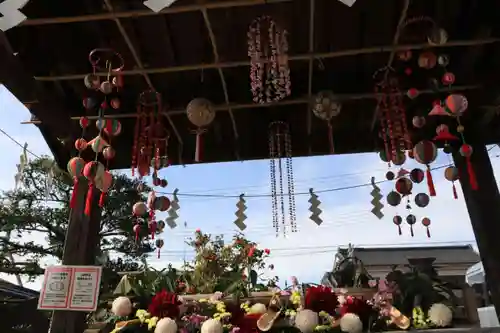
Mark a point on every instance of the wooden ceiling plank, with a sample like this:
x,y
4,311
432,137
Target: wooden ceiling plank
x,y
222,79
148,12
299,57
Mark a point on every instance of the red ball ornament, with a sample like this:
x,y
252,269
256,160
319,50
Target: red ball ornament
x,y
84,122
81,144
466,150
115,103
417,175
448,78
404,186
90,170
108,153
412,93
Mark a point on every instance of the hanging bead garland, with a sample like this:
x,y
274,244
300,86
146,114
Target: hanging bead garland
x,y
268,52
280,150
200,113
325,107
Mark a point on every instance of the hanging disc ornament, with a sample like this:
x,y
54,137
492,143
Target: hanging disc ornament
x,y
425,152
325,107
422,200
417,175
200,113
411,220
398,220
393,198
404,186
426,222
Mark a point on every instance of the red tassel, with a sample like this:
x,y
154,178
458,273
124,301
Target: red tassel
x,y
137,234
428,233
330,138
158,253
411,231
198,155
472,175
72,202
88,202
430,182
455,195
399,230
101,199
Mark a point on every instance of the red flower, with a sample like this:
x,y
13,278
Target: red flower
x,y
267,251
356,306
198,231
164,304
251,251
321,299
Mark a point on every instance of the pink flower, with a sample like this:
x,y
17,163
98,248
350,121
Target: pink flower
x,y
267,251
198,231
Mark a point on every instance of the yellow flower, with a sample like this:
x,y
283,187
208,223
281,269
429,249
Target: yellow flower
x,y
295,298
228,326
142,315
216,315
220,307
225,315
202,300
152,322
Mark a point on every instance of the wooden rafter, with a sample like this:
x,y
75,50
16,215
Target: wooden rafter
x,y
221,75
311,69
147,12
395,42
139,64
304,100
299,57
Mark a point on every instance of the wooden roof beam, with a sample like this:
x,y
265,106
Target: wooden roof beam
x,y
395,42
311,72
222,78
148,12
140,65
304,100
299,57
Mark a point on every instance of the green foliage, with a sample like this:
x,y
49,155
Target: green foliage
x,y
30,212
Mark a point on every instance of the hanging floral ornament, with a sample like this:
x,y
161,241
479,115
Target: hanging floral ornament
x,y
159,245
404,186
422,200
417,175
425,152
398,220
268,53
426,222
393,198
201,114
466,151
427,60
411,220
418,121
325,107
451,174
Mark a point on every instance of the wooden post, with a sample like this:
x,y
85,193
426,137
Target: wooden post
x,y
484,210
79,249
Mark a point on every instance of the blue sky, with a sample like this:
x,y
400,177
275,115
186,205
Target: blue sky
x,y
306,254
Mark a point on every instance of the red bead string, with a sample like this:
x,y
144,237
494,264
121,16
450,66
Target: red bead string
x,y
381,102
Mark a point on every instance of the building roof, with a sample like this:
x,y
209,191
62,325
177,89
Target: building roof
x,y
463,254
10,290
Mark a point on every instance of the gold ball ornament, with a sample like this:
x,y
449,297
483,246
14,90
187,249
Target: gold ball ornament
x,y
200,112
325,105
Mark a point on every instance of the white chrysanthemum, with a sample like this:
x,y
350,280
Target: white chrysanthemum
x,y
440,315
211,326
258,308
351,323
306,321
121,307
166,325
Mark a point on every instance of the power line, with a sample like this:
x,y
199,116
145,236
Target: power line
x,y
18,143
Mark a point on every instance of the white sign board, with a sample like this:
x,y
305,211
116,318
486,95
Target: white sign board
x,y
74,288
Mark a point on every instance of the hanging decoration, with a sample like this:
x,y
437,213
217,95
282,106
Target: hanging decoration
x,y
376,197
392,117
172,212
411,220
393,198
422,200
314,208
268,53
426,222
280,157
425,152
325,107
159,245
23,162
240,213
451,174
150,137
200,113
398,220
